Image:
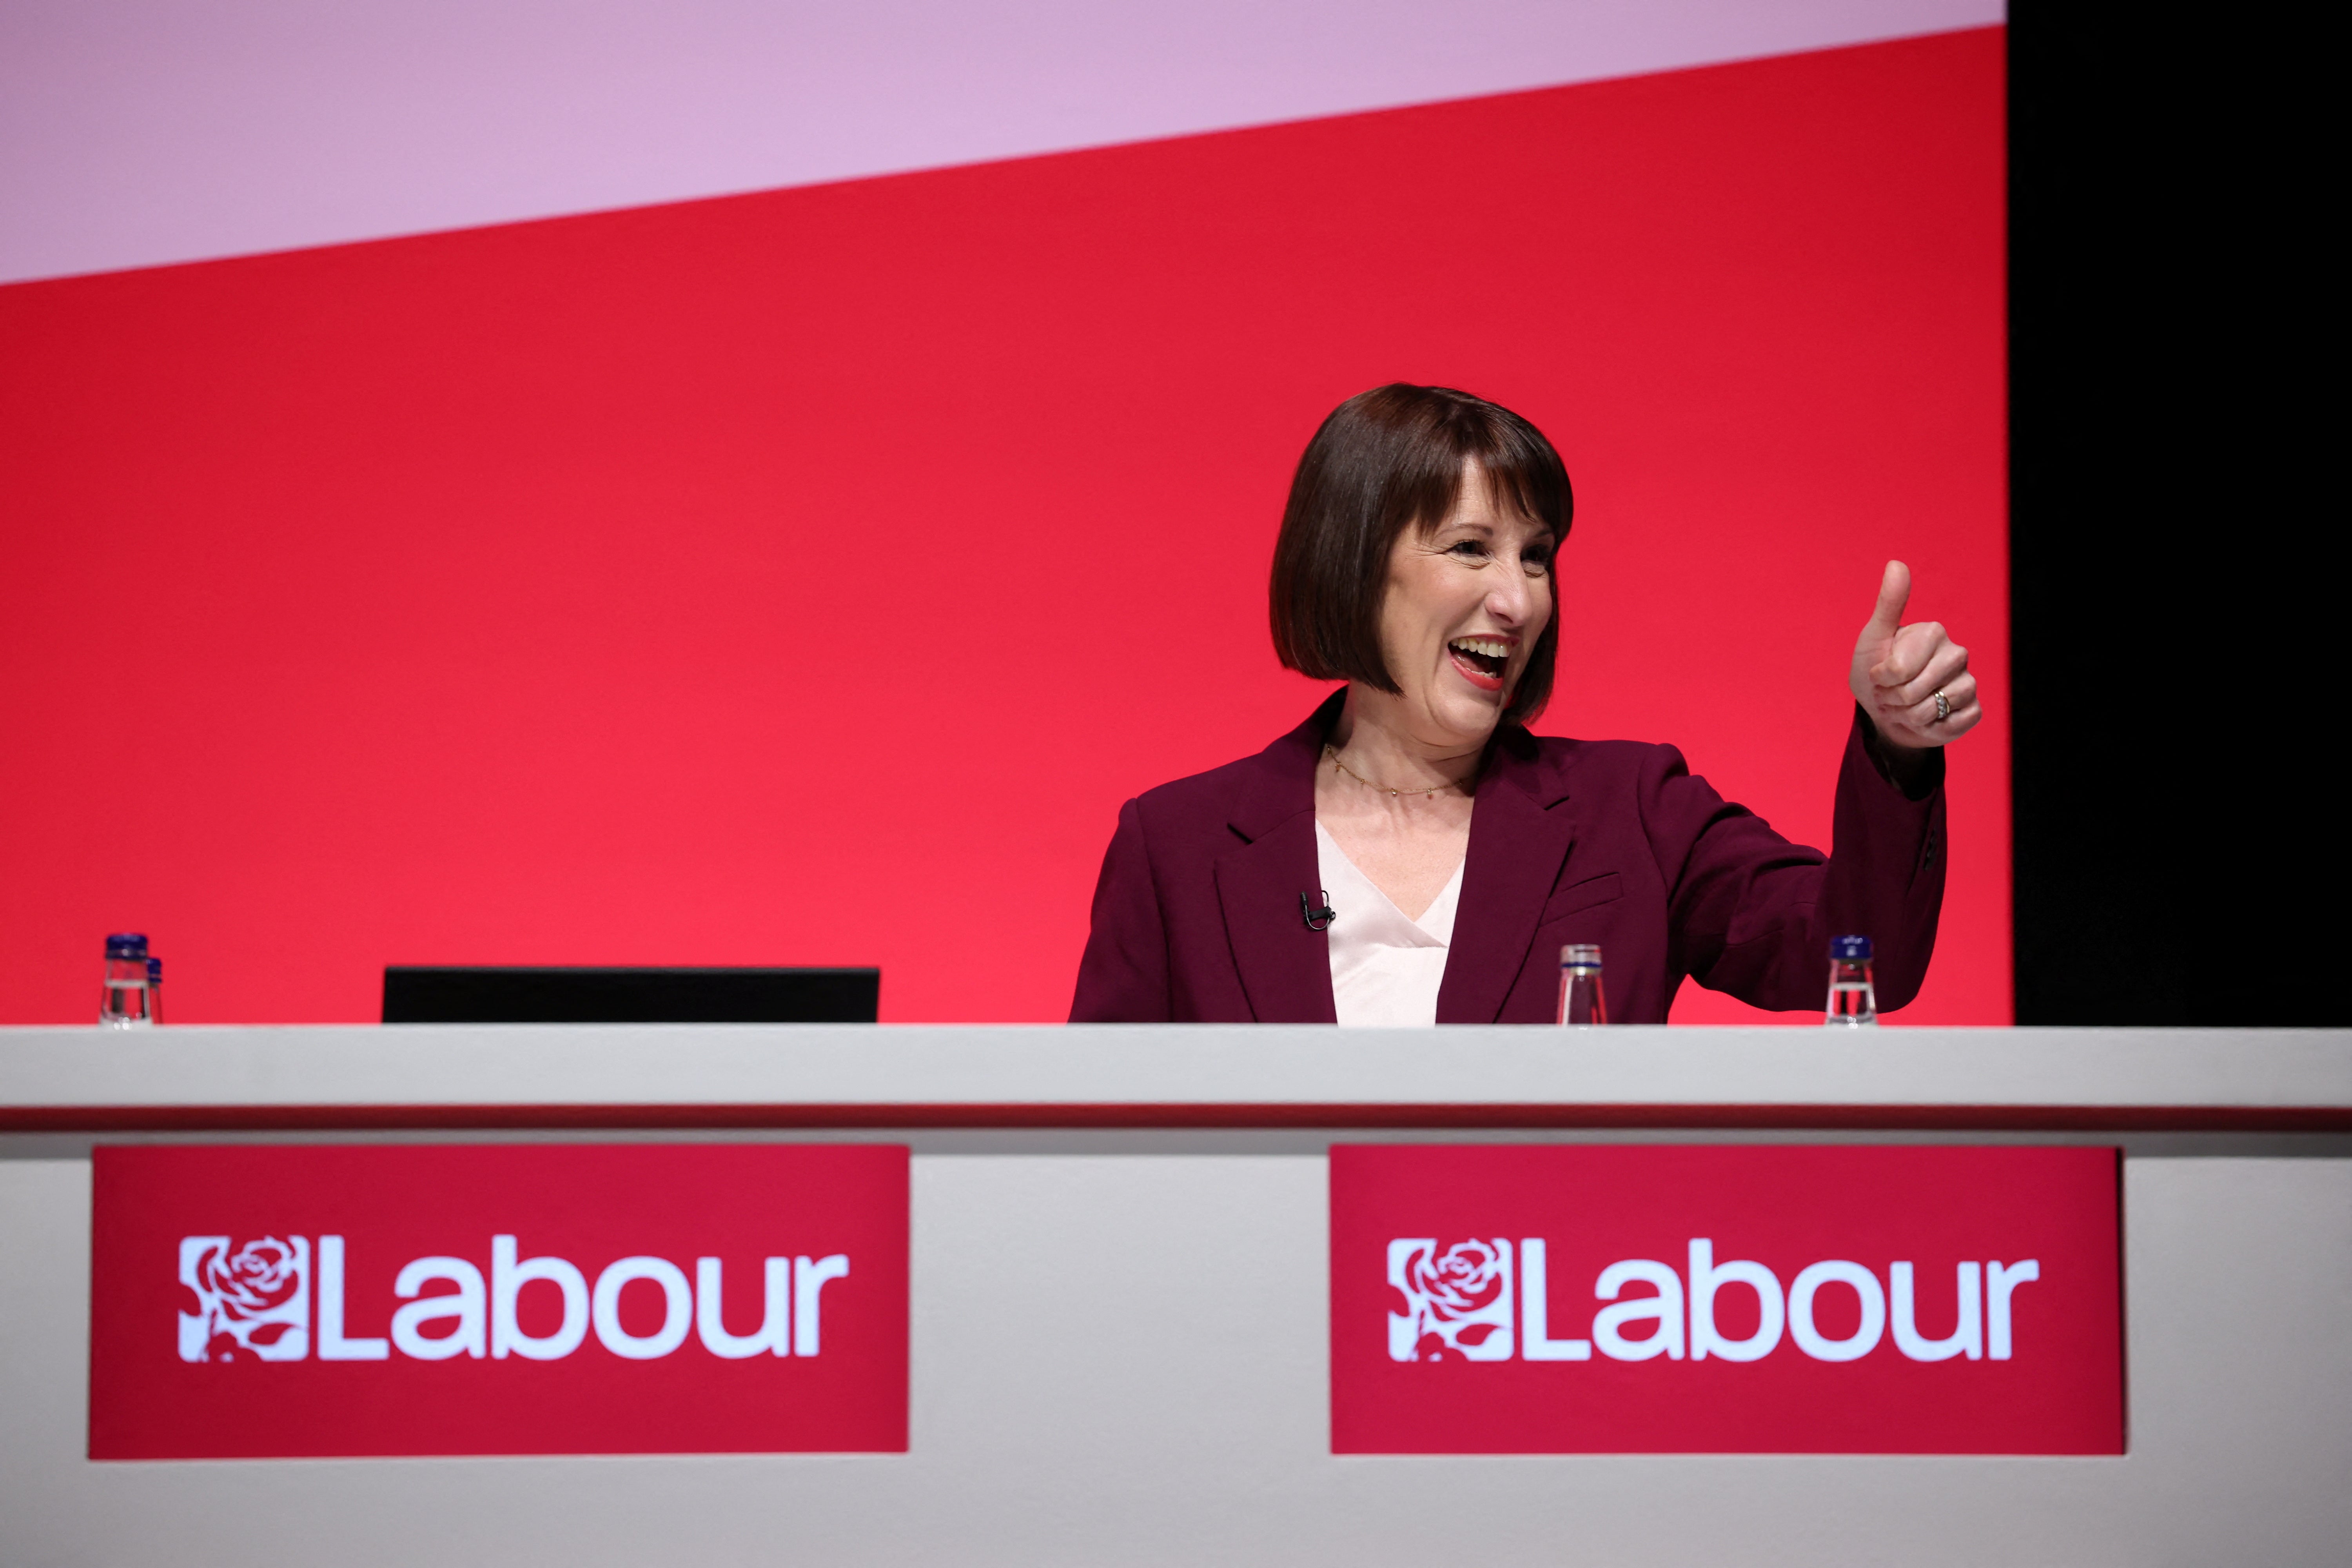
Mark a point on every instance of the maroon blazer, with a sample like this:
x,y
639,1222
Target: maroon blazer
x,y
1197,918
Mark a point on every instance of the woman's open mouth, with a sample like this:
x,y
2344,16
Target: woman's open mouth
x,y
1481,660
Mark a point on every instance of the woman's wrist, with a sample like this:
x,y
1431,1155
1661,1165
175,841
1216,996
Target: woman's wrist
x,y
1914,770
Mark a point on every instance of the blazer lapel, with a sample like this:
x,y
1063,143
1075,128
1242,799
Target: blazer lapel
x,y
1517,849
1286,969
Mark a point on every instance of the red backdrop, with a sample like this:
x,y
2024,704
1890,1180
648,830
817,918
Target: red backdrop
x,y
806,577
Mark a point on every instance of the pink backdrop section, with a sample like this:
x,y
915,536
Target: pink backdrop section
x,y
137,133
806,577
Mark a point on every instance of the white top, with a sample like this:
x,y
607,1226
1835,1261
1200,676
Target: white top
x,y
1385,968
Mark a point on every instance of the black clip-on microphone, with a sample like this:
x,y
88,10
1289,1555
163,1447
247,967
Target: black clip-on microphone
x,y
1317,909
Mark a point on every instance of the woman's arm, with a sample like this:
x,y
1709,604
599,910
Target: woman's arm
x,y
1123,978
1753,914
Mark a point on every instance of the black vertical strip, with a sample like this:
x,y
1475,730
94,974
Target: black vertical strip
x,y
2176,561
2093,912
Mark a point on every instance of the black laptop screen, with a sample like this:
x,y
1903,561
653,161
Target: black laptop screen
x,y
420,995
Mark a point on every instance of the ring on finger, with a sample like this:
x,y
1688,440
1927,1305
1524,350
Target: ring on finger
x,y
1943,706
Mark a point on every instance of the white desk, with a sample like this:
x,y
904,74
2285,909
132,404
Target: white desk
x,y
1119,1332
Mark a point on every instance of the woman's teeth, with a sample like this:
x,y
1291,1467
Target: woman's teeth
x,y
1486,654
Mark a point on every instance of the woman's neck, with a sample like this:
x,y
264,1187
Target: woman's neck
x,y
1375,741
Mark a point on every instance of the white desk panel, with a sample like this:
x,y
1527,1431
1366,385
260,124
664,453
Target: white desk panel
x,y
1121,1337
1241,1074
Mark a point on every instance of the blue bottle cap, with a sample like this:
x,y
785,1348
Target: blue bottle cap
x,y
1850,949
126,945
154,971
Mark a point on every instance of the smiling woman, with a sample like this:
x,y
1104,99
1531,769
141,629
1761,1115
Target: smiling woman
x,y
1335,875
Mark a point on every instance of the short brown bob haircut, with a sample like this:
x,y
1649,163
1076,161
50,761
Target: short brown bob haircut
x,y
1386,459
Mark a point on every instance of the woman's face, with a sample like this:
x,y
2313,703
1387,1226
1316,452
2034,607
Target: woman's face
x,y
1465,604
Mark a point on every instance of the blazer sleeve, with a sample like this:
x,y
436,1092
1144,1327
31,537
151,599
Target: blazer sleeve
x,y
1753,914
1123,978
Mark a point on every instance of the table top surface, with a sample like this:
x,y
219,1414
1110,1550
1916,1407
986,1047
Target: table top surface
x,y
1169,1075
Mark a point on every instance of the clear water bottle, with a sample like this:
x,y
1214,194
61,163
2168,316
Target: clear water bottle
x,y
1852,1001
1581,1003
125,1002
154,989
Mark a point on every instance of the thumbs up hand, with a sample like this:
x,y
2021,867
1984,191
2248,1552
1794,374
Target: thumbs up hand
x,y
1898,672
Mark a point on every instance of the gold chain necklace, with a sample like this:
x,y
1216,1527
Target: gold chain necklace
x,y
1332,752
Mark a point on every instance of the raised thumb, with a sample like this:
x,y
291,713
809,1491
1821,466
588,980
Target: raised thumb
x,y
1893,592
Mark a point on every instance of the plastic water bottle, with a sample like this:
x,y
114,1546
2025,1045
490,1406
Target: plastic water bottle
x,y
154,989
126,1003
1852,1001
1580,1002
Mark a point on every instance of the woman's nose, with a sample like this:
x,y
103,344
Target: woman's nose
x,y
1512,600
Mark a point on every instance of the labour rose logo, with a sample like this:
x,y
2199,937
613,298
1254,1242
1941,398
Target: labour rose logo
x,y
1458,1299
255,1298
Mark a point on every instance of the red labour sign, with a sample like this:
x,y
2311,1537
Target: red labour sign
x,y
269,1301
1657,1298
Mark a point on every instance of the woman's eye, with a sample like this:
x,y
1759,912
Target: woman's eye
x,y
1467,547
1535,563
